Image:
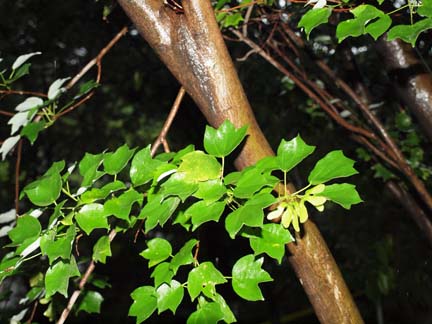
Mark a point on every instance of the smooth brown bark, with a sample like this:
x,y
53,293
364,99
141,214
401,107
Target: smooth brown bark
x,y
412,81
192,47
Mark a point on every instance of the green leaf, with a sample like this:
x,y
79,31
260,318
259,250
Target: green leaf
x,y
184,256
368,20
204,278
20,72
222,141
246,275
162,273
209,313
313,18
121,206
198,166
334,165
115,162
211,190
343,194
290,153
91,302
86,88
101,193
169,296
176,185
382,172
31,130
45,190
57,277
143,167
58,246
156,212
232,20
92,216
145,303
228,314
425,9
251,214
251,181
102,249
202,212
27,227
88,168
271,239
409,33
158,250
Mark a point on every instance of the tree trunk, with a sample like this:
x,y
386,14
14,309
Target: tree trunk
x,y
411,80
192,47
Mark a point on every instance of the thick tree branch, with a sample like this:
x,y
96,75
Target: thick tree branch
x,y
192,47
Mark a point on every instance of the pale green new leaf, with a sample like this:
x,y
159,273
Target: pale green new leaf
x,y
198,166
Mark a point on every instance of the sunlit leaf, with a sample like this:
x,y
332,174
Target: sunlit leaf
x,y
169,296
204,278
246,275
334,165
27,227
271,239
115,162
158,250
290,153
343,194
57,277
184,256
92,216
409,33
156,212
145,303
143,167
198,166
162,273
313,18
209,313
102,249
58,246
121,206
90,302
222,141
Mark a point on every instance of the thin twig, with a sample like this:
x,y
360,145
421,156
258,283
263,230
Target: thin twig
x,y
19,92
174,109
246,20
97,59
17,174
36,303
302,86
6,113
